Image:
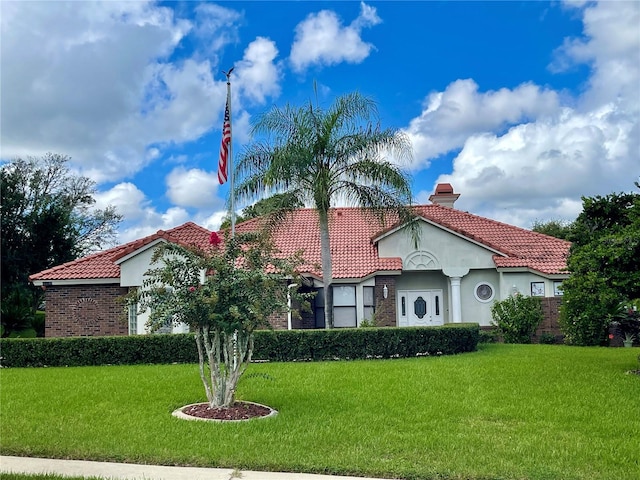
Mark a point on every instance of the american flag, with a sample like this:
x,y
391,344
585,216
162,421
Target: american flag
x,y
225,145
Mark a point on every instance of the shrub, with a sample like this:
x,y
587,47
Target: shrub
x,y
626,321
83,351
548,338
587,307
353,343
517,317
489,336
281,345
26,333
16,311
38,323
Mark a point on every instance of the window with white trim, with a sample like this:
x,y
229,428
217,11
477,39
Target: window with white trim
x,y
484,292
344,306
368,302
133,318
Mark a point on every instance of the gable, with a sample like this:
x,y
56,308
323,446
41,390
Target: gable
x,y
104,267
438,249
134,266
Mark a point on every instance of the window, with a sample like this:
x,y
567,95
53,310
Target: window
x,y
537,289
133,318
344,306
319,308
369,302
420,307
484,292
557,289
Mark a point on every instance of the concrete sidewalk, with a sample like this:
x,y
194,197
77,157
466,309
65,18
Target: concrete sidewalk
x,y
147,472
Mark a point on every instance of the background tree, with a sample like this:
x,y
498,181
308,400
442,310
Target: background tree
x,y
47,219
244,284
554,228
261,208
604,262
317,157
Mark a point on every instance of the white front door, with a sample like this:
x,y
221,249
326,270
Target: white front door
x,y
420,308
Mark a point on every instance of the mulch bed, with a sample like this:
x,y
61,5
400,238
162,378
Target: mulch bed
x,y
237,411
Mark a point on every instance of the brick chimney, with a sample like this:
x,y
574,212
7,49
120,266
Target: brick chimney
x,y
444,195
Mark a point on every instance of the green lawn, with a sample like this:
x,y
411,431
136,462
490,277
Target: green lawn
x,y
504,412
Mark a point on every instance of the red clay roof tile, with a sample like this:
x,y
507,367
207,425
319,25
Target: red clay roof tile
x,y
102,265
354,253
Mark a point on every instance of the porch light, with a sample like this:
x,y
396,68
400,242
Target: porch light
x,y
514,290
385,291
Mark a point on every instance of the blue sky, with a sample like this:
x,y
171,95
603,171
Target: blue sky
x,y
523,107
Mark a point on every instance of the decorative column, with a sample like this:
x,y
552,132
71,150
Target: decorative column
x,y
456,303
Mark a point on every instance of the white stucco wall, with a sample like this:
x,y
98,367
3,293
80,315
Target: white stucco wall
x,y
450,250
442,254
132,274
474,310
521,281
133,268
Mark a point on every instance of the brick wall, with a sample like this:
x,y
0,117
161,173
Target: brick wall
x,y
385,307
550,324
279,321
85,310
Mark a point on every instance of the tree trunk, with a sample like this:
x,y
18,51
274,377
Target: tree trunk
x,y
327,272
227,357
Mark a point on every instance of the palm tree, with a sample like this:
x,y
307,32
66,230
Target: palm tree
x,y
315,157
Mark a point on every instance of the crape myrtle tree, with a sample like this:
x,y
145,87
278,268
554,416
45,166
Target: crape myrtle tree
x,y
604,262
317,156
48,218
223,294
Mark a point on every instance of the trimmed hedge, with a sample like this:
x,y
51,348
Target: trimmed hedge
x,y
270,345
82,351
363,343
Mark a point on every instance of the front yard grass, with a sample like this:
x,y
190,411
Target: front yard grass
x,y
503,412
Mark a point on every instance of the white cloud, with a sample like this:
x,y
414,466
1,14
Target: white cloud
x,y
192,188
610,47
524,155
213,221
321,39
461,110
258,72
152,222
140,217
93,80
128,200
216,26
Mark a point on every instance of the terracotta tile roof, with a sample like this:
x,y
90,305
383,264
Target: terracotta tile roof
x,y
353,245
523,248
354,255
354,252
102,265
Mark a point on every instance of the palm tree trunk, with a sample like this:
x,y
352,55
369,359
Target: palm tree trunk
x,y
327,272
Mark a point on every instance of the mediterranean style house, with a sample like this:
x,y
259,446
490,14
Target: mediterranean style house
x,y
460,266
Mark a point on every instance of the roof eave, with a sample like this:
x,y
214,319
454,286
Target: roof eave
x,y
75,281
525,269
138,251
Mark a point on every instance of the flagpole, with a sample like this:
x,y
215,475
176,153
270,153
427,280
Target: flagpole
x,y
230,165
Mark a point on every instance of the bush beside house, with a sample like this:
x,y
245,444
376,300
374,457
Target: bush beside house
x,y
270,345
